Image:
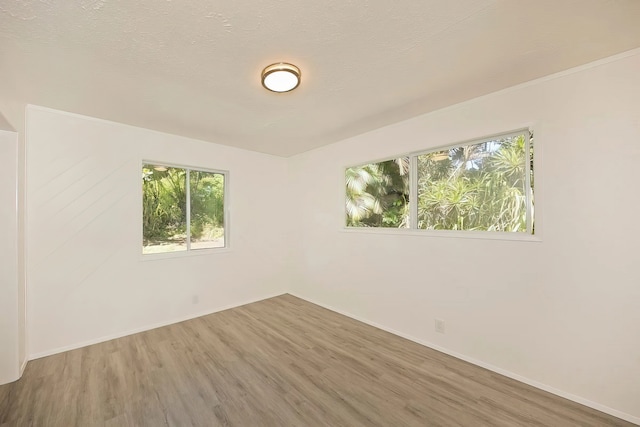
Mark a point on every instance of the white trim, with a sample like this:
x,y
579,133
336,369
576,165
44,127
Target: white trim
x,y
187,185
151,162
465,103
559,74
509,374
155,131
445,146
527,185
184,253
23,366
413,189
145,328
448,234
474,141
226,214
25,236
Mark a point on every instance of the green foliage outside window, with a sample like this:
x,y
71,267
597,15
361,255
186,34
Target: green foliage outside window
x,y
165,214
378,194
480,187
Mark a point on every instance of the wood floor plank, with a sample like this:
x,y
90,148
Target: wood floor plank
x,y
278,362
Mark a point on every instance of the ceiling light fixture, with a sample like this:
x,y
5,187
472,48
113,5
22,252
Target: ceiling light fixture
x,y
281,77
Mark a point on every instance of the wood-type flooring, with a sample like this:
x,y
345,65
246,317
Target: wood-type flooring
x,y
277,362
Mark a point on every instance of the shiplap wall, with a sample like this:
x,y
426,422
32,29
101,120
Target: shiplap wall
x,y
87,278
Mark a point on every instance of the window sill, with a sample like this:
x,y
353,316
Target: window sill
x,y
183,254
448,234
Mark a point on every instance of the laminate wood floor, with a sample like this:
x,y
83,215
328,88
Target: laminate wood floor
x,y
277,362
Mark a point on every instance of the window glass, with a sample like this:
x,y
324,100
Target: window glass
x,y
207,209
475,187
377,194
164,213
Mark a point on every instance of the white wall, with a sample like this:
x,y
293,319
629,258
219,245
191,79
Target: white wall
x,y
86,277
563,313
12,118
9,310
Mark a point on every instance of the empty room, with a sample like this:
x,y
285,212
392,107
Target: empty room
x,y
340,213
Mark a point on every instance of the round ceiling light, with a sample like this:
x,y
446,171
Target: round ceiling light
x,y
281,77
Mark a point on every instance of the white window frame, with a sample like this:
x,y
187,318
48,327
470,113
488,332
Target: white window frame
x,y
188,251
532,213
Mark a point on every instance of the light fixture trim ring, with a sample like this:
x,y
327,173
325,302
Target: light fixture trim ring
x,y
281,66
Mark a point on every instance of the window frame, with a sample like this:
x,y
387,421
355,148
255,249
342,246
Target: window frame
x,y
532,214
188,251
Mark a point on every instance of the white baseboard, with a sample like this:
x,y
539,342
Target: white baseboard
x,y
533,383
143,328
536,384
18,375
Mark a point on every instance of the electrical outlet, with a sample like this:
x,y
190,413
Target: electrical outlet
x,y
439,323
195,299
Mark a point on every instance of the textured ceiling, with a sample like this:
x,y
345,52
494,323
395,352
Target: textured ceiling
x,y
192,67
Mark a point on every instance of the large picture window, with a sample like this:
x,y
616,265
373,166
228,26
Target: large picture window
x,y
485,185
182,209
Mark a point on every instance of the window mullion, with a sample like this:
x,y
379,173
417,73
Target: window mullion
x,y
527,170
188,208
413,192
